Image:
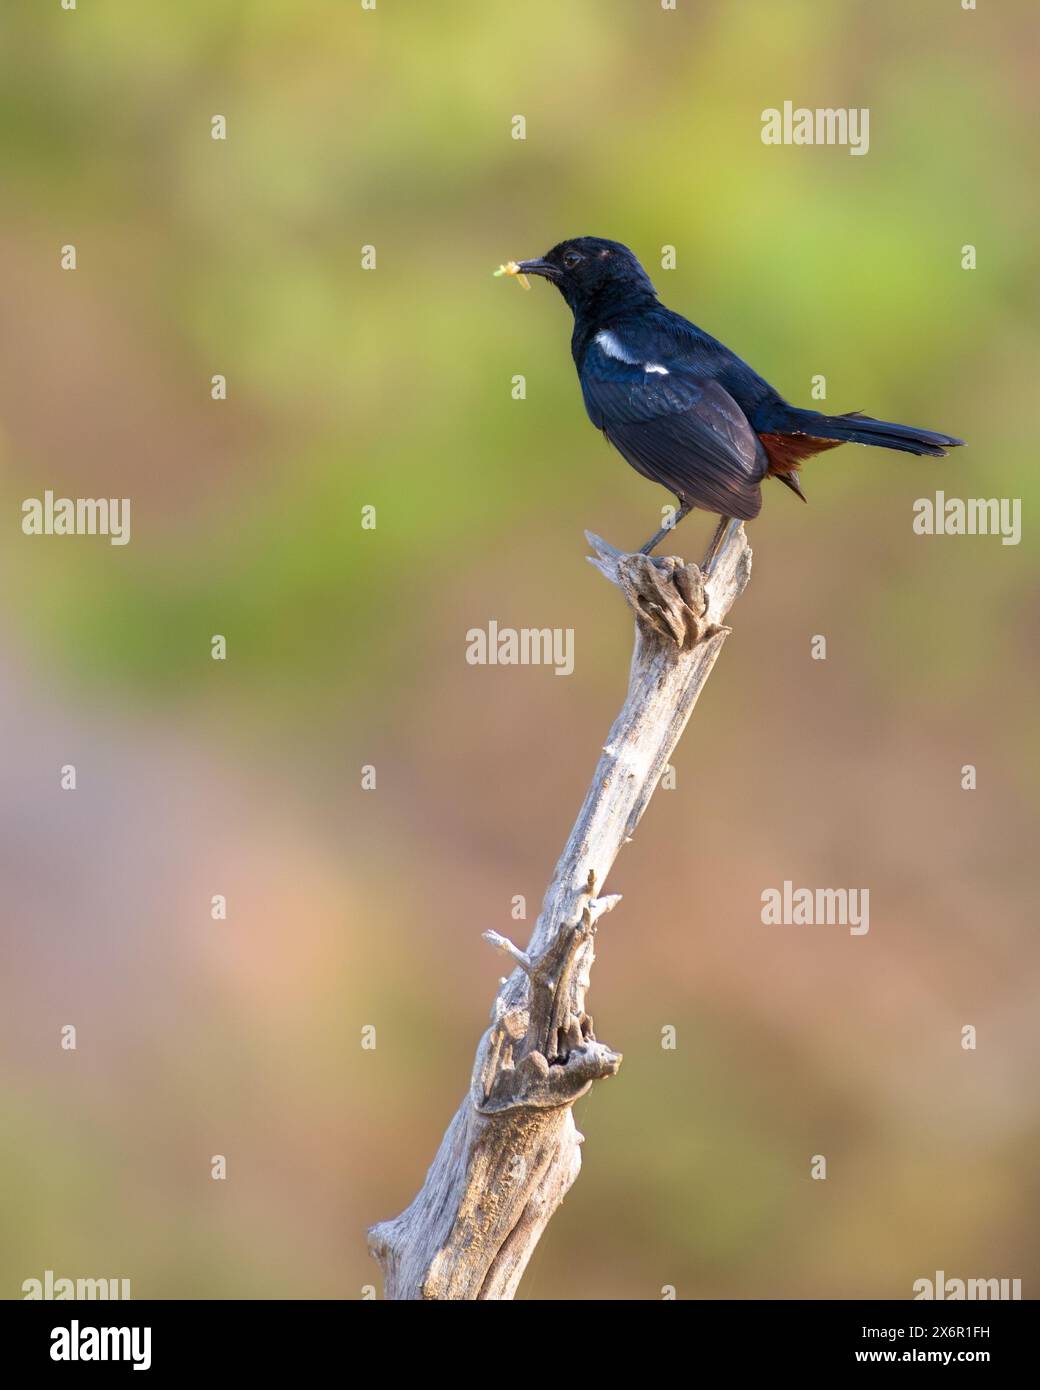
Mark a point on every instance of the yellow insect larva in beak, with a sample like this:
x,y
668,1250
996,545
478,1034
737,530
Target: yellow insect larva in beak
x,y
511,268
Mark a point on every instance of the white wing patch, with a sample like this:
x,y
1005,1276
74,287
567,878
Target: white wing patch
x,y
613,348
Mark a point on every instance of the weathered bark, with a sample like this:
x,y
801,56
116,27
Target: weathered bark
x,y
511,1152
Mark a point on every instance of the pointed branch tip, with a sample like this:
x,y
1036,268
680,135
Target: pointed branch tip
x,y
503,943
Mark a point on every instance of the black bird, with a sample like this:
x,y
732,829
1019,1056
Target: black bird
x,y
677,404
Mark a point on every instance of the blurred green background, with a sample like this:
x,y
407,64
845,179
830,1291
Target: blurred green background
x,y
346,647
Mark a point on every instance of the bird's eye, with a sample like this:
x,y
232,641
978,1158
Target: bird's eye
x,y
571,259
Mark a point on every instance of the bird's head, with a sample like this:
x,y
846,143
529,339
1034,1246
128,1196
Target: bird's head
x,y
593,275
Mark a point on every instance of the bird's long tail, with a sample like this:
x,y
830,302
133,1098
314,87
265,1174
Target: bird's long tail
x,y
863,429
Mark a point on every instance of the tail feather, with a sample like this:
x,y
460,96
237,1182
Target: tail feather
x,y
855,428
791,480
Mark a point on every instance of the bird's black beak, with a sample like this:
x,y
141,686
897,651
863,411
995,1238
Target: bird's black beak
x,y
538,267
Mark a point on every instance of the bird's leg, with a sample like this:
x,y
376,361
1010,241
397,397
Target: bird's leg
x,y
708,563
684,510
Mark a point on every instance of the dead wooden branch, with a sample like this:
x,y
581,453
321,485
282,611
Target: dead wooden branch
x,y
511,1152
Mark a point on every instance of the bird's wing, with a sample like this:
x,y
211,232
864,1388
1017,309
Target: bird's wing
x,y
676,426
